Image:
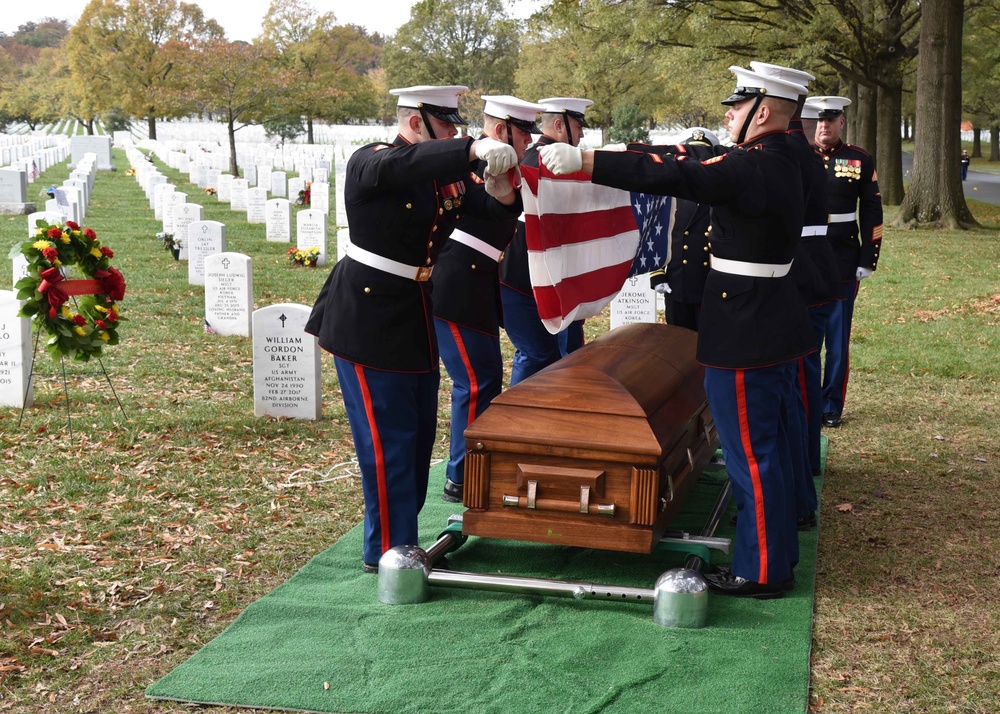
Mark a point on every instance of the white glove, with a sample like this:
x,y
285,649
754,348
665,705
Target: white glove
x,y
864,273
561,158
614,147
497,186
499,157
663,289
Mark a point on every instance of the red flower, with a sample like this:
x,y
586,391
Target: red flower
x,y
113,283
72,225
100,324
79,320
105,251
55,232
89,232
112,315
50,254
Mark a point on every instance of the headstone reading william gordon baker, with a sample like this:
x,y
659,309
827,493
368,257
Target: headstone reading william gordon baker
x,y
204,238
279,220
310,232
286,364
238,194
228,294
15,353
319,196
256,205
184,215
636,302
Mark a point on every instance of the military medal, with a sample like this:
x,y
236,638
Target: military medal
x,y
452,194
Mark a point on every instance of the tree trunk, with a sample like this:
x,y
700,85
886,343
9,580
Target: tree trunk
x,y
935,197
977,143
852,127
151,127
234,169
309,130
866,114
889,160
906,129
995,143
89,126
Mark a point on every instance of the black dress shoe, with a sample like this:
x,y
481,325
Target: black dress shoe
x,y
369,567
807,523
831,419
725,583
453,491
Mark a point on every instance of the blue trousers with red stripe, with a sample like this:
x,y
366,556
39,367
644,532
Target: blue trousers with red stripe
x,y
812,365
475,366
393,418
798,444
750,407
837,368
535,347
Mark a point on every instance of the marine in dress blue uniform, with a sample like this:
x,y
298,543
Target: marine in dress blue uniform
x,y
467,291
855,233
374,312
535,348
754,323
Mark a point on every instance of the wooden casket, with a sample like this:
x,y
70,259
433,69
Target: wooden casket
x,y
598,450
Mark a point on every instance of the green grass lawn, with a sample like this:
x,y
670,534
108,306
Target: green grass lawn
x,y
128,546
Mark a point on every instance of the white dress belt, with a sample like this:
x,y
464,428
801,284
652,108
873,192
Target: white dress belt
x,y
813,231
752,270
420,273
476,244
843,217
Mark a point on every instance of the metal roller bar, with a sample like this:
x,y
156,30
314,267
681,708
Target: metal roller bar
x,y
538,586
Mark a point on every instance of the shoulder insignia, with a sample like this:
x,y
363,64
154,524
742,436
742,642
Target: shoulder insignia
x,y
475,178
714,159
656,158
379,147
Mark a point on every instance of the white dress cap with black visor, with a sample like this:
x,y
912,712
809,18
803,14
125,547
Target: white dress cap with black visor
x,y
827,107
514,111
568,107
440,102
752,85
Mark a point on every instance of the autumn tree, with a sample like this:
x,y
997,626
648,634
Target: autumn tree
x,y
236,82
980,80
935,195
126,53
468,42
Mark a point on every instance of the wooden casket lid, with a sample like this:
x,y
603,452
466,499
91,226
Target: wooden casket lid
x,y
619,392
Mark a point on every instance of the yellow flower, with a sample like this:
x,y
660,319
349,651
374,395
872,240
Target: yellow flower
x,y
57,262
96,252
65,238
99,308
105,336
41,244
66,312
80,331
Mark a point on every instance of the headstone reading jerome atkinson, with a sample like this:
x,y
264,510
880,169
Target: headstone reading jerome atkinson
x,y
228,294
310,232
286,364
279,220
635,303
204,238
15,353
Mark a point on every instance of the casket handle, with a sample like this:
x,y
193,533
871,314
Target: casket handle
x,y
552,504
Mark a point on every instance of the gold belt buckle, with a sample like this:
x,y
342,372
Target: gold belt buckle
x,y
423,274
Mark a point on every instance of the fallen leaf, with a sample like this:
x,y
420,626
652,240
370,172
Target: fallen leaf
x,y
326,685
845,507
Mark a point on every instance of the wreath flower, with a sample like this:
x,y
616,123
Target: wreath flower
x,y
308,257
80,333
305,196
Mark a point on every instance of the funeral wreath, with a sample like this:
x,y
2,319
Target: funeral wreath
x,y
80,332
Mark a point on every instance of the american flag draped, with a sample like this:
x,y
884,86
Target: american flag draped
x,y
584,241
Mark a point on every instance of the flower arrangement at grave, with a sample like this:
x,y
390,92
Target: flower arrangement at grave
x,y
80,332
304,195
211,191
308,257
170,243
130,171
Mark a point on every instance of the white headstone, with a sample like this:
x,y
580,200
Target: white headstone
x,y
295,185
310,232
343,241
279,185
51,218
256,205
19,268
319,195
340,175
264,172
228,294
320,174
286,364
13,186
238,194
279,220
170,201
636,302
225,188
15,353
52,207
204,238
184,215
250,174
80,146
160,191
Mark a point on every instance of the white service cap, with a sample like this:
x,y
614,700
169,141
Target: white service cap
x,y
438,101
573,106
827,107
700,135
518,112
750,84
787,73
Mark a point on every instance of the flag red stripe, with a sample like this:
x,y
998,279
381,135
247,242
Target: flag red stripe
x,y
585,288
572,228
